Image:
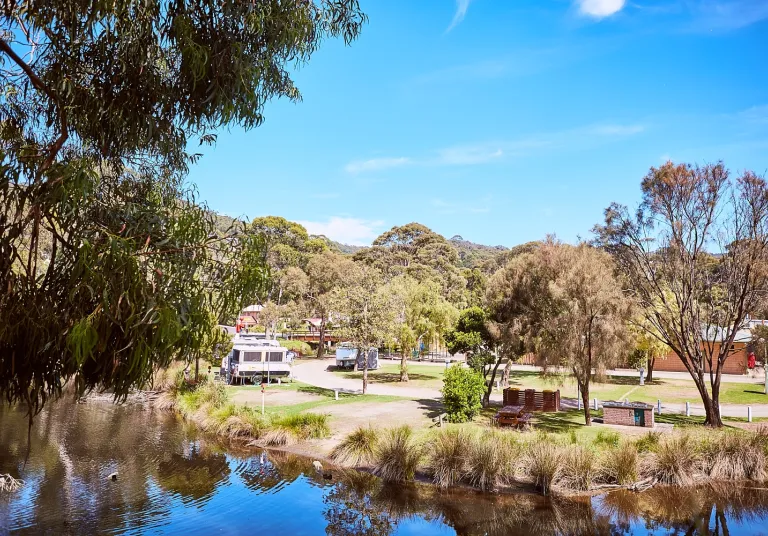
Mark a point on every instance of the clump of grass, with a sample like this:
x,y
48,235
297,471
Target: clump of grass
x,y
9,484
735,456
648,442
235,422
447,459
619,465
397,455
544,465
489,460
579,468
675,461
607,439
572,437
298,427
358,447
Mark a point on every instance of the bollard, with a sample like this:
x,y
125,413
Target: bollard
x,y
441,420
595,404
687,409
658,407
336,394
497,385
749,413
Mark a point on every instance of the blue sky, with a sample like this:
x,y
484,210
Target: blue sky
x,y
500,120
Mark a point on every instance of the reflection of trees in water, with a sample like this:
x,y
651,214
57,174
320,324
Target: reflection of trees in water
x,y
351,509
361,504
194,475
76,446
711,509
270,472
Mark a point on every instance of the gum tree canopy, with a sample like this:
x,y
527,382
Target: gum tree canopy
x,y
695,258
108,265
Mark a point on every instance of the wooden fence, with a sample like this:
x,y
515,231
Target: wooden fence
x,y
532,399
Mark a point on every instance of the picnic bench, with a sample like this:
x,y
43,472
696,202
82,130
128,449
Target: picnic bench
x,y
516,416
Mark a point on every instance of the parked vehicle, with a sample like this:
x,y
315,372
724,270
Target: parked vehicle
x,y
346,356
257,361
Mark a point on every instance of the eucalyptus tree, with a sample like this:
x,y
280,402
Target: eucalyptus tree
x,y
366,311
109,266
695,257
566,303
423,315
417,251
326,271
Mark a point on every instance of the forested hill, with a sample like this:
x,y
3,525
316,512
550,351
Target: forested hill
x,y
472,255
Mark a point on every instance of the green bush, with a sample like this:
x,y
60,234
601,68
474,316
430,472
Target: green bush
x,y
300,347
462,391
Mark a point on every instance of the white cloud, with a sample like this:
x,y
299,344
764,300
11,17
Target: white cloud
x,y
463,155
461,11
347,230
755,115
600,8
485,153
724,15
375,164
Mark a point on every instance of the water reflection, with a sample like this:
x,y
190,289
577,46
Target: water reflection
x,y
171,480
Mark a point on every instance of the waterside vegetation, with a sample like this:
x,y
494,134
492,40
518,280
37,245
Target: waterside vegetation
x,y
491,460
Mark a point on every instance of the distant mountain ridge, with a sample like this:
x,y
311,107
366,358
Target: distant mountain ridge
x,y
473,255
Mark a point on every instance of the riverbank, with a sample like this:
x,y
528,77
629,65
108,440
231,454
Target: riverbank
x,y
469,455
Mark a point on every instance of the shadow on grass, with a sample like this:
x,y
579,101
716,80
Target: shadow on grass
x,y
561,421
389,377
322,391
433,407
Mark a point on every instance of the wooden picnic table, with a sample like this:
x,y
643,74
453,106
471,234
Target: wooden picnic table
x,y
512,416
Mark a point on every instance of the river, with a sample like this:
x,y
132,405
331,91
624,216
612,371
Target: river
x,y
171,480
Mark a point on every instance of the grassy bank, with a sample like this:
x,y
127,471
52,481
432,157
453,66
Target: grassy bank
x,y
493,459
207,405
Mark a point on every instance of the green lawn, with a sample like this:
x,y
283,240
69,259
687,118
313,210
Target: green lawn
x,y
418,375
620,387
327,394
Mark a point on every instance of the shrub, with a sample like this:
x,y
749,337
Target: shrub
x,y
544,465
462,392
489,460
447,458
286,430
357,448
397,455
648,442
675,461
735,456
607,438
619,465
579,468
300,347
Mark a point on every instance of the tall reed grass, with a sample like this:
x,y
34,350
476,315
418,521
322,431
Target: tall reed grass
x,y
357,448
397,455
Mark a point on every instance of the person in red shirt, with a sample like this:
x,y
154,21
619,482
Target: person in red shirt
x,y
751,361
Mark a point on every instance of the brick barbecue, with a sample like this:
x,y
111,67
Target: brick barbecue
x,y
628,414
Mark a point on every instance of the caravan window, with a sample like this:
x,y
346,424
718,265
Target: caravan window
x,y
275,356
252,356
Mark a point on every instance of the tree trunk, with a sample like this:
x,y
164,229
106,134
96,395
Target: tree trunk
x,y
585,403
197,367
711,404
321,346
363,353
404,367
649,375
489,389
